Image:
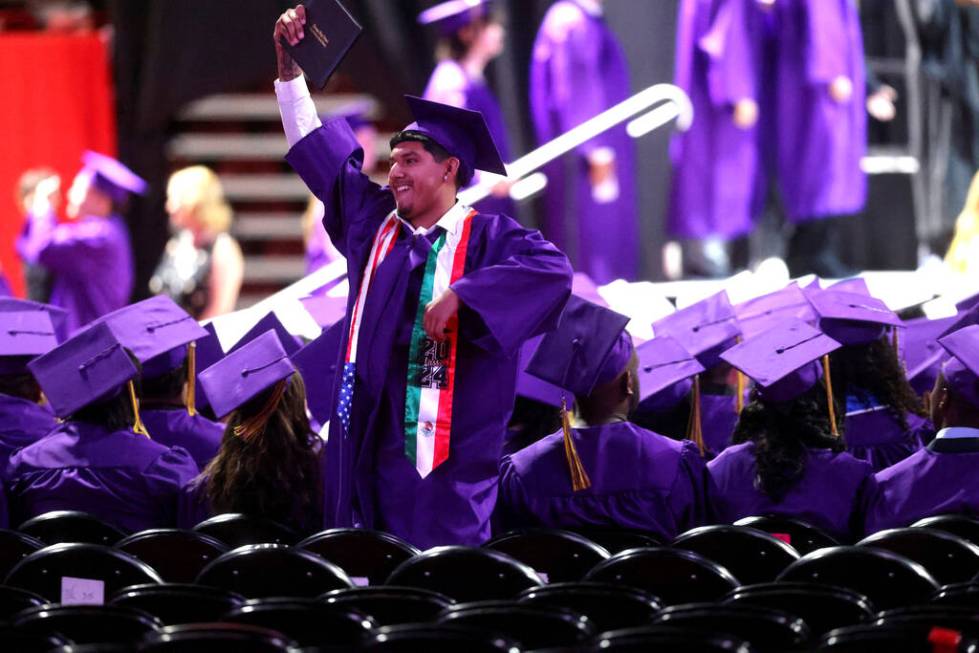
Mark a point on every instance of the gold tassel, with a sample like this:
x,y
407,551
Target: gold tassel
x,y
829,397
138,426
579,477
739,401
190,398
695,431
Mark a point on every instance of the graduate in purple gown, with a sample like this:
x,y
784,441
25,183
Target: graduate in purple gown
x,y
4,286
537,407
24,335
578,70
788,460
603,471
90,259
270,462
98,459
471,37
940,479
885,419
442,297
163,337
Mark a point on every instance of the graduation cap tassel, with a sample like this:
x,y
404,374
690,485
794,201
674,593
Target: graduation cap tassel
x,y
739,386
829,397
190,398
138,426
695,431
579,477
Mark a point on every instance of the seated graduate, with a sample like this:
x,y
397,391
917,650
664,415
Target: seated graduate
x,y
99,458
24,335
788,459
537,407
601,470
163,337
885,420
269,463
941,478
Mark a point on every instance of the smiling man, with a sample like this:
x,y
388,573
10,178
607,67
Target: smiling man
x,y
442,297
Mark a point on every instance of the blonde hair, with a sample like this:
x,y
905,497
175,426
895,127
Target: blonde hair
x,y
198,190
961,254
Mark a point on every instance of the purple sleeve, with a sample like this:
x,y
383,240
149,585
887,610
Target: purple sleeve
x,y
520,288
61,247
165,477
827,43
512,509
731,52
36,234
689,496
867,500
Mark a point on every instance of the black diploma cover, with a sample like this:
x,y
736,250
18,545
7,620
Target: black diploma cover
x,y
329,33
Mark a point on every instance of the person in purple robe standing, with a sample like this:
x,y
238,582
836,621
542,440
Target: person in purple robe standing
x,y
24,420
98,459
885,420
590,211
940,479
269,463
442,297
471,38
5,290
787,459
90,258
601,470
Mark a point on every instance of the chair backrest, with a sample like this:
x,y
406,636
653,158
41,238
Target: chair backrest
x,y
674,575
962,525
367,556
14,547
49,572
88,624
217,638
12,639
236,529
961,619
305,621
175,604
961,594
766,629
616,540
262,570
437,638
822,607
948,558
390,606
466,573
177,555
803,536
752,555
60,526
531,627
15,599
668,638
889,580
609,607
864,638
557,556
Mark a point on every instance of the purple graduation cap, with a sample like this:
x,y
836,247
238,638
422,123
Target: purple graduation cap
x,y
324,309
24,335
317,364
852,318
59,316
463,133
245,372
856,285
966,317
528,385
112,177
666,371
208,353
961,371
270,321
754,315
88,367
783,361
450,17
704,329
585,287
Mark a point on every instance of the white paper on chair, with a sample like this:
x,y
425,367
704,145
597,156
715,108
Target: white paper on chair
x,y
82,591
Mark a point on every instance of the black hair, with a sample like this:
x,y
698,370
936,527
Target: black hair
x,y
23,386
168,386
439,153
672,423
782,433
531,421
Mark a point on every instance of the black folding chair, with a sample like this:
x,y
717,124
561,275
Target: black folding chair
x,y
766,629
217,638
236,529
609,607
531,627
389,605
60,526
363,554
803,536
174,604
305,621
88,624
667,638
262,570
559,556
177,555
948,558
962,525
14,547
752,555
437,638
822,607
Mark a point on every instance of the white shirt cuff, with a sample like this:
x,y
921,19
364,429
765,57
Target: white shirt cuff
x,y
296,109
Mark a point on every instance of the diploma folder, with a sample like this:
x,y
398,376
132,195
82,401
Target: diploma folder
x,y
328,35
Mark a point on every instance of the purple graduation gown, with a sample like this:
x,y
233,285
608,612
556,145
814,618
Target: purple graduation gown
x,y
90,261
319,250
832,494
875,436
937,480
514,287
819,143
639,480
175,428
22,422
449,84
4,286
577,71
718,417
717,177
125,479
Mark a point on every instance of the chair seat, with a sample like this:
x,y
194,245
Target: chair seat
x,y
307,622
175,604
531,627
217,638
88,624
609,607
389,605
61,526
822,607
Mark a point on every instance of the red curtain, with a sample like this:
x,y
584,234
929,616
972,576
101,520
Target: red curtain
x,y
57,101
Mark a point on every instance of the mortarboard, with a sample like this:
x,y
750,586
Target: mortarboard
x,y
325,309
852,318
24,335
585,287
463,133
208,352
966,317
856,285
665,373
90,366
704,329
530,386
112,177
754,315
961,371
450,17
245,372
59,316
317,364
270,321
